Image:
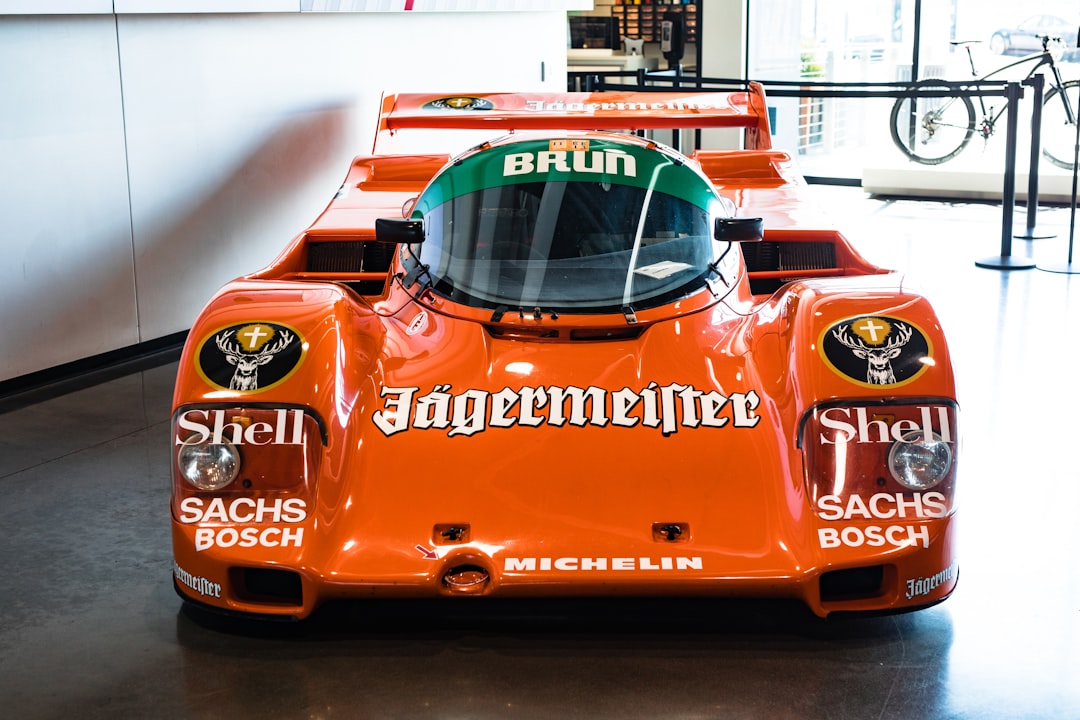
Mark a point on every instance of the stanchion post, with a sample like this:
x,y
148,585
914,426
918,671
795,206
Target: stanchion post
x,y
1037,82
1067,267
1005,261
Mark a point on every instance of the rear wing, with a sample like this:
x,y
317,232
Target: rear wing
x,y
582,111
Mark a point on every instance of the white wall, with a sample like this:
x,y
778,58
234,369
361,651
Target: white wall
x,y
775,55
67,284
722,27
148,159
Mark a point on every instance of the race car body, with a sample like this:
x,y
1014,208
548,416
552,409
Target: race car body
x,y
567,361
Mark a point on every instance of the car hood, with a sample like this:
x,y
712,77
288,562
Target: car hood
x,y
563,449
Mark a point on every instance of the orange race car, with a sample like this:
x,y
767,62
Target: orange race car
x,y
569,361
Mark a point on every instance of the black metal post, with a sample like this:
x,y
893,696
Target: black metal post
x,y
676,133
915,43
1005,261
1067,266
1037,82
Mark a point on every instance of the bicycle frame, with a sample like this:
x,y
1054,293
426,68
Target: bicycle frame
x,y
919,126
1044,57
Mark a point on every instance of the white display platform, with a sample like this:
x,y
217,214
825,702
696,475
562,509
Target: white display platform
x,y
977,173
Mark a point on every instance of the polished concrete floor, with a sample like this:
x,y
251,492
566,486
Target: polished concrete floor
x,y
90,626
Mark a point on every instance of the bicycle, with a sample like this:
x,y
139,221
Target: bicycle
x,y
933,130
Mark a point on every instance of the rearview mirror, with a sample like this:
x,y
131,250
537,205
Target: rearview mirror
x,y
739,229
399,232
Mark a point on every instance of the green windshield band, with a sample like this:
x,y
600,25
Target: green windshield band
x,y
544,161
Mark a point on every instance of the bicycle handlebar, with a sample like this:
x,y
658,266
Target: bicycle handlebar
x,y
1047,38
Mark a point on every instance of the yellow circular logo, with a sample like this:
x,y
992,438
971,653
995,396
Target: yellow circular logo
x,y
875,350
249,357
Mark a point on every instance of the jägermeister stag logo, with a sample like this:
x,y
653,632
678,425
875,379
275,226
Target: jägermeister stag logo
x,y
250,357
875,350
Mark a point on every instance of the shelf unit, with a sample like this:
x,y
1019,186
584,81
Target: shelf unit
x,y
643,20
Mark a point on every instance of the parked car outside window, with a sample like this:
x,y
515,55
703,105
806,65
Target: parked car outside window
x,y
1025,37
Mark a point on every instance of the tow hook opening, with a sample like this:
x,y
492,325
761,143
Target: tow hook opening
x,y
671,532
466,579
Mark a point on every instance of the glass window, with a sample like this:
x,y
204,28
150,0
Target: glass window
x,y
874,41
585,224
836,41
567,246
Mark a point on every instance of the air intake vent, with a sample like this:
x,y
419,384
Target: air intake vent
x,y
772,259
615,333
602,334
761,256
351,256
272,586
345,256
510,332
378,256
807,256
766,256
852,583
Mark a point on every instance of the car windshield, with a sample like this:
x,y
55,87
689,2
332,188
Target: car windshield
x,y
565,239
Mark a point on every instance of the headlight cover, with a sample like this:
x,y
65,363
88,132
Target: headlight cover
x,y
920,460
208,466
872,460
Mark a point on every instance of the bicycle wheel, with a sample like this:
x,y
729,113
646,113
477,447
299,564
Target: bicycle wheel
x,y
1058,135
932,130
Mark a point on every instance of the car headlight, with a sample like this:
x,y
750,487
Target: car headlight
x,y
208,466
920,460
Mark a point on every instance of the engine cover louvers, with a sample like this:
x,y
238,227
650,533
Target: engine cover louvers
x,y
351,256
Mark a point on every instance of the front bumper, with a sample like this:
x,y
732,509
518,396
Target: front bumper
x,y
828,580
